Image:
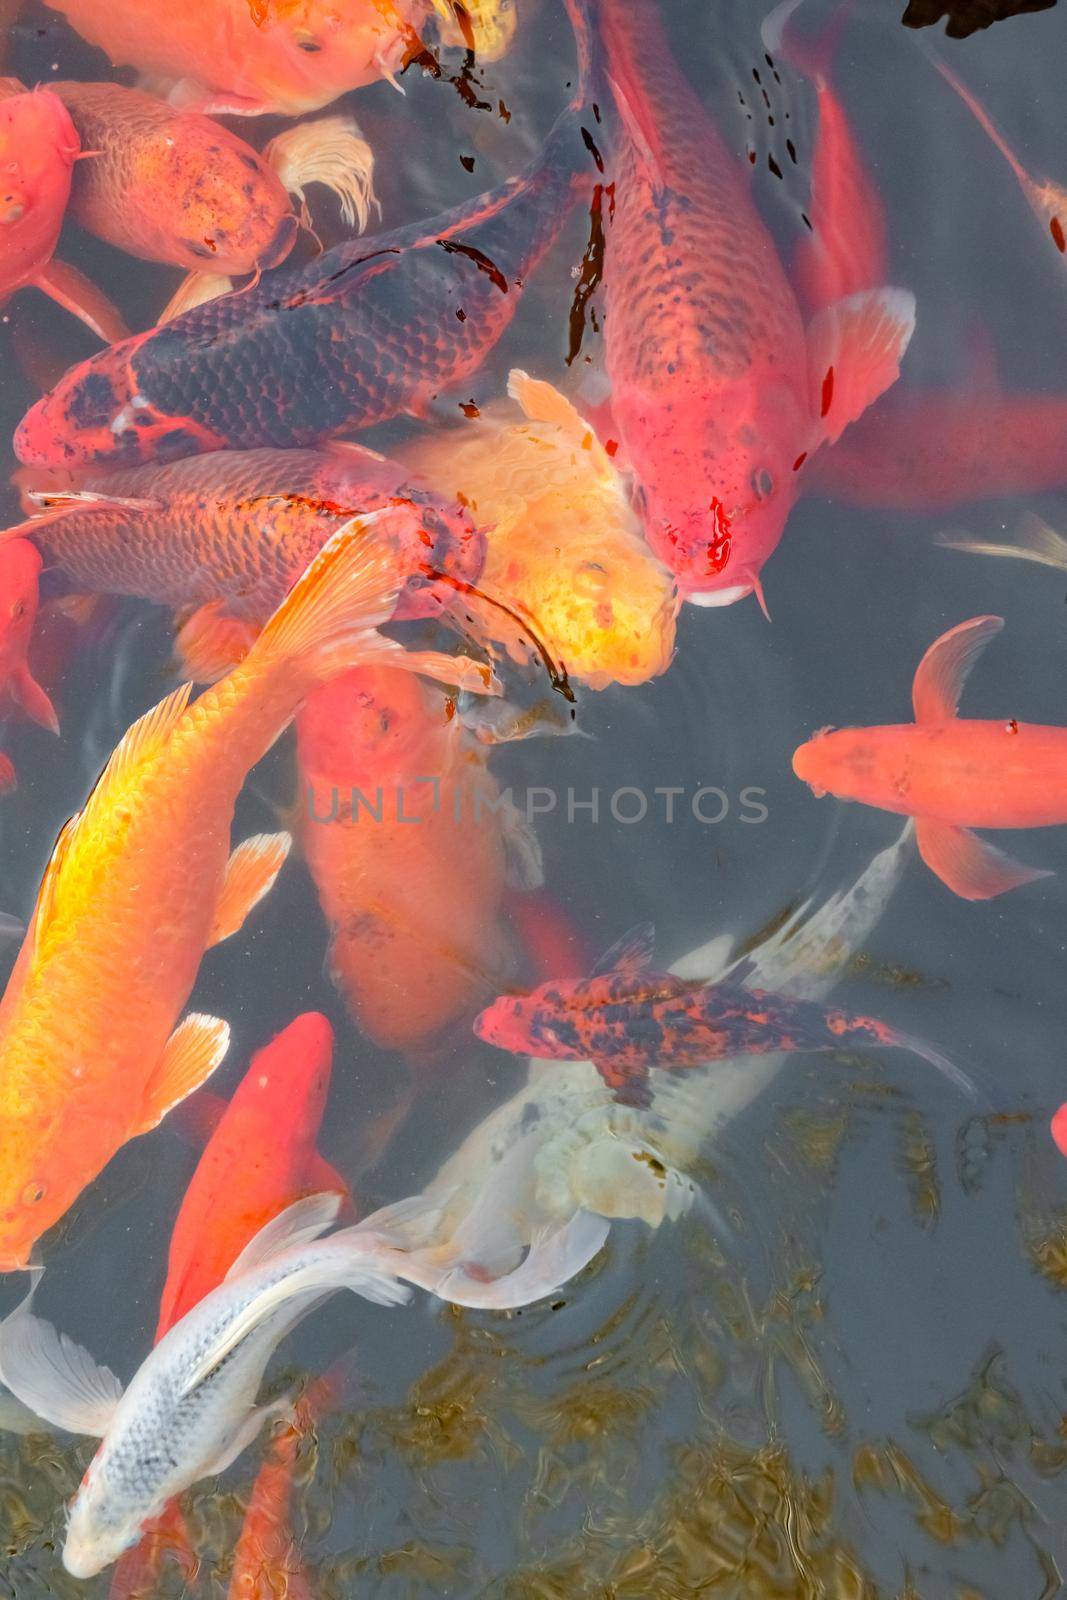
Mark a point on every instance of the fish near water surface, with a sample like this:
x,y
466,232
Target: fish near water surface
x,y
141,882
719,395
20,568
39,146
630,1020
221,538
949,773
365,332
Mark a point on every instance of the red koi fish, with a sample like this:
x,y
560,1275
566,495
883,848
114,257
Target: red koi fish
x,y
629,1020
365,332
951,775
847,249
38,148
718,394
20,567
931,449
221,538
260,1158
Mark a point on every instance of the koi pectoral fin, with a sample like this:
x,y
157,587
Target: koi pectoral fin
x,y
210,642
855,348
969,866
190,1056
58,1380
250,874
73,291
632,1086
195,289
31,697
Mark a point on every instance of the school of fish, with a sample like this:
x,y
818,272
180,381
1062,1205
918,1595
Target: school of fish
x,y
379,615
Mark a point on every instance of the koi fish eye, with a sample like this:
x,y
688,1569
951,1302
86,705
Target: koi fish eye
x,y
307,42
762,483
33,1194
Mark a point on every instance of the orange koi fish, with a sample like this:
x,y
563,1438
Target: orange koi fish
x,y
38,148
177,187
412,904
930,449
562,541
220,538
847,249
629,1020
1047,200
718,394
142,881
951,775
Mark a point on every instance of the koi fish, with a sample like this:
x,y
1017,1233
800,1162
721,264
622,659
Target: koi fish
x,y
267,1133
20,567
563,543
38,148
847,248
718,395
177,187
142,882
1058,1129
951,775
628,1020
1047,200
230,57
932,449
190,1409
221,538
363,333
406,838
266,1557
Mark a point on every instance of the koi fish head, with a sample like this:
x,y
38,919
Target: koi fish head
x,y
534,1025
101,1525
38,147
96,412
219,207
716,543
312,51
831,761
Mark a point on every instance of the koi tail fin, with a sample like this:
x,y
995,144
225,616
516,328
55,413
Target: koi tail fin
x,y
812,57
1033,540
947,1068
333,152
328,622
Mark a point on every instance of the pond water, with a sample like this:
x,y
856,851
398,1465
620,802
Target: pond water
x,y
840,1371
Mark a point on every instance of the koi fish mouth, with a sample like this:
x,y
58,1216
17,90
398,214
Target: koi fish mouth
x,y
720,597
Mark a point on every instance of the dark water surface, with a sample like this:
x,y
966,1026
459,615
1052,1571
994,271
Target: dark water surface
x,y
850,1381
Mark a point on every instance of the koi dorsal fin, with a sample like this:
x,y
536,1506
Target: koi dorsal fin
x,y
630,953
943,670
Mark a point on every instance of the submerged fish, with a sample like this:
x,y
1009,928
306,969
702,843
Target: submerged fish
x,y
925,450
629,1020
1047,200
142,881
39,145
365,332
948,773
245,57
20,567
221,538
847,248
718,394
177,187
406,836
564,547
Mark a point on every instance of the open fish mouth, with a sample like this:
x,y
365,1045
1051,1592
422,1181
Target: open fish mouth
x,y
720,597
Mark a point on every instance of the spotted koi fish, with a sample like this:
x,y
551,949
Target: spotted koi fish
x,y
629,1019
